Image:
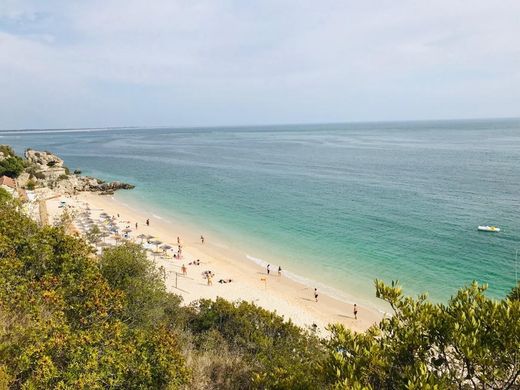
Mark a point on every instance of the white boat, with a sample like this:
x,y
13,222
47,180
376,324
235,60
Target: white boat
x,y
488,228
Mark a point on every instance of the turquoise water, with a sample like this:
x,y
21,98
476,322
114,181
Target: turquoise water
x,y
342,204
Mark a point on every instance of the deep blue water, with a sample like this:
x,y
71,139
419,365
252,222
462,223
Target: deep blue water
x,y
343,204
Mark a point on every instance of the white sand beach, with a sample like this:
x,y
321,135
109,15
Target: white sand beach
x,y
249,281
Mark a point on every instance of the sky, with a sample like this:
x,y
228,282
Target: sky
x,y
103,63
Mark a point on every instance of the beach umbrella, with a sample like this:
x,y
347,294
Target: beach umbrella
x,y
127,230
142,237
149,237
156,243
166,247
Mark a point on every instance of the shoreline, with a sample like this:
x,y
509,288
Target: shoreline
x,y
252,252
285,295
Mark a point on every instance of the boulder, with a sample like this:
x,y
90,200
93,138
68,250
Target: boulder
x,y
43,159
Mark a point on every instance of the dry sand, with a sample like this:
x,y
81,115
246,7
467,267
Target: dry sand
x,y
250,282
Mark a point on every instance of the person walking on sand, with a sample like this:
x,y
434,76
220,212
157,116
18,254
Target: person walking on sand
x,y
184,270
147,222
279,271
316,294
178,241
210,280
355,311
136,226
202,239
268,269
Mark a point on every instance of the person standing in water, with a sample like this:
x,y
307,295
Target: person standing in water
x,y
136,226
268,269
355,311
279,271
202,239
316,294
147,222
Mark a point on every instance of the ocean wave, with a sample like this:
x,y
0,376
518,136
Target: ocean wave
x,y
322,288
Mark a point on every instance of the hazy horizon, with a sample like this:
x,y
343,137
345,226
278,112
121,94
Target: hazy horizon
x,y
270,125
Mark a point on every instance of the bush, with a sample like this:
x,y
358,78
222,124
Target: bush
x,y
62,324
77,172
11,166
278,354
67,171
31,184
7,151
471,340
40,175
63,177
52,163
4,196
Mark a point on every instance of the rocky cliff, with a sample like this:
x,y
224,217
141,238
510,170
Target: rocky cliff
x,y
48,170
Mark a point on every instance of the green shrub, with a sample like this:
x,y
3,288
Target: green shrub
x,y
7,151
64,326
63,177
4,196
31,184
472,339
11,166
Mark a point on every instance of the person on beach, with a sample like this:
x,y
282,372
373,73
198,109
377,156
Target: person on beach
x,y
279,271
202,239
210,280
136,226
316,294
184,270
147,222
268,268
225,281
355,311
178,241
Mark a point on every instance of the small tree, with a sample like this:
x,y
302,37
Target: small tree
x,y
11,166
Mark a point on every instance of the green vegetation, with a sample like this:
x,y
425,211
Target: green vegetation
x,y
69,319
7,151
63,177
472,342
5,197
31,185
11,166
514,295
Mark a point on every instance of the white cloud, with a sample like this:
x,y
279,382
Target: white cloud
x,y
235,62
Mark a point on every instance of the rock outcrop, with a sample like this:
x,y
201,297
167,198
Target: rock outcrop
x,y
45,165
48,170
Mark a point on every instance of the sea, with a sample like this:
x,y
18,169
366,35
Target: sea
x,y
336,205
